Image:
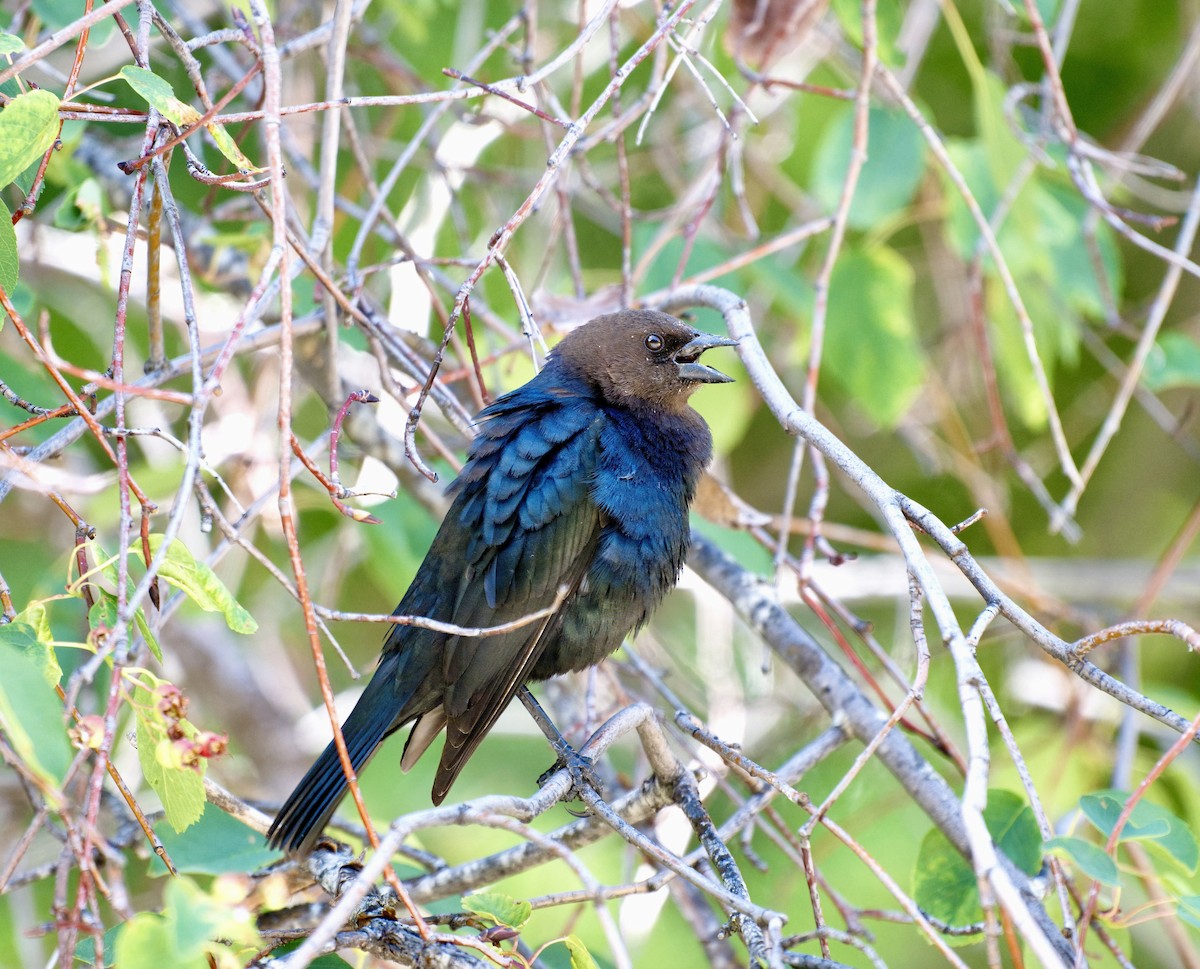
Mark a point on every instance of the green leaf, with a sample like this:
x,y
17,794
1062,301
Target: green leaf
x,y
180,789
28,129
31,715
184,933
1043,244
944,883
1155,825
9,263
201,585
1103,809
580,957
1003,149
143,625
85,951
144,942
1011,823
160,96
1072,276
228,147
10,44
1013,366
214,845
42,654
104,613
1174,362
871,345
890,176
704,255
1047,10
781,282
56,14
499,908
104,610
197,917
1189,909
90,201
1089,858
970,158
889,17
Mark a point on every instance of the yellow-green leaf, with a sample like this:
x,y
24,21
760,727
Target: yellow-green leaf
x,y
580,957
145,940
31,716
143,625
184,935
9,264
160,96
1005,152
10,44
35,615
104,613
499,908
35,641
181,789
228,147
201,585
871,343
28,129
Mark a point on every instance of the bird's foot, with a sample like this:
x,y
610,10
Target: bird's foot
x,y
582,770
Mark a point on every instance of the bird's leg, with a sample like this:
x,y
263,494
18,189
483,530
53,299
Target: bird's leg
x,y
581,768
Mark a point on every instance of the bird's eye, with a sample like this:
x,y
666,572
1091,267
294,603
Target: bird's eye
x,y
654,343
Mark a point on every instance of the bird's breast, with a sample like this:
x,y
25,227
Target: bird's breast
x,y
644,482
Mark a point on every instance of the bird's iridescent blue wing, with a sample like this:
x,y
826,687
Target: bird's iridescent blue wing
x,y
525,502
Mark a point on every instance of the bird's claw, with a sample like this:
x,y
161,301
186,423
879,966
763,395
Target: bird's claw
x,y
582,771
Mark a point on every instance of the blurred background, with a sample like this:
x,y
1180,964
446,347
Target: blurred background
x,y
830,169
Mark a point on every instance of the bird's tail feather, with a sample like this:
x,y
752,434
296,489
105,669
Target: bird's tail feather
x,y
310,806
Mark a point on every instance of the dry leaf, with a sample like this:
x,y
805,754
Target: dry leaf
x,y
761,31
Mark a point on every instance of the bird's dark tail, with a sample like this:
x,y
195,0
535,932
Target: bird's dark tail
x,y
310,806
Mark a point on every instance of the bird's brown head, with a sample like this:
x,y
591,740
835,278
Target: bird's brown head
x,y
640,357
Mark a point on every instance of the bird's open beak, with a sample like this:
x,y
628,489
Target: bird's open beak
x,y
687,358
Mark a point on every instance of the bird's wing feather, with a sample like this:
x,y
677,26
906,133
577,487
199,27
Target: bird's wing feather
x,y
534,528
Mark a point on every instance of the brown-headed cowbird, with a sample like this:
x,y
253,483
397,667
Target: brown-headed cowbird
x,y
579,480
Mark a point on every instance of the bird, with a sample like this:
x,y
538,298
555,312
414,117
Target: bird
x,y
575,492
